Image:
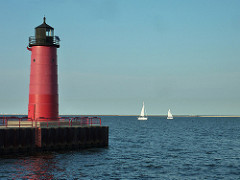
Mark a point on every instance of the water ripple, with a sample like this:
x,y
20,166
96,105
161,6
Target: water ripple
x,y
184,148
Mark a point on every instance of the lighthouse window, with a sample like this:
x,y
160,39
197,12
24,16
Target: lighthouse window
x,y
49,32
33,60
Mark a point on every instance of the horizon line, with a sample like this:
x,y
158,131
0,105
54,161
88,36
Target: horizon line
x,y
154,115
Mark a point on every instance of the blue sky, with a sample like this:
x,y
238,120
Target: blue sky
x,y
114,54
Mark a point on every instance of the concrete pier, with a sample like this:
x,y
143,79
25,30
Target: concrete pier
x,y
24,139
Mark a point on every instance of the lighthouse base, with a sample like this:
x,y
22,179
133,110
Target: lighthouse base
x,y
29,139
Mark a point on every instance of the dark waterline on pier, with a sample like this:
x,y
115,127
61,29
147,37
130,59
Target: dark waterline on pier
x,y
183,148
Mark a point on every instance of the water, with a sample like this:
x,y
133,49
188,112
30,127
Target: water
x,y
183,148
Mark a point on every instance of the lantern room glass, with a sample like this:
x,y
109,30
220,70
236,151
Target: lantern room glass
x,y
49,32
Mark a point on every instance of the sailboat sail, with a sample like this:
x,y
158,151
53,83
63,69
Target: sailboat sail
x,y
142,114
170,116
142,111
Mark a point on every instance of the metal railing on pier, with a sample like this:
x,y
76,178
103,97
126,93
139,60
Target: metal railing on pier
x,y
14,121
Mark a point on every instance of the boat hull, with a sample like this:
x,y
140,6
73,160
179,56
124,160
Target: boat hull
x,y
142,118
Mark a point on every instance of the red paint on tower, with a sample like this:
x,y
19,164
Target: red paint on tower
x,y
43,88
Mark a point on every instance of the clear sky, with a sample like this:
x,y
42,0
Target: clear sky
x,y
115,54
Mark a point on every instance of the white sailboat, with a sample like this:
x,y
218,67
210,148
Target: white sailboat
x,y
142,115
170,116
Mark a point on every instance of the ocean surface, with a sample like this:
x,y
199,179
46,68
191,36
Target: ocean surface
x,y
182,148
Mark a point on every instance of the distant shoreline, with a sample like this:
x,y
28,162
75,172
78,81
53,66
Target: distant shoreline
x,y
174,115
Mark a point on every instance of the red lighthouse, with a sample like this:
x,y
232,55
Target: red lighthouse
x,y
43,88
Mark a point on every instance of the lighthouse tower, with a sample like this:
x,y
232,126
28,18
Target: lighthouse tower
x,y
43,88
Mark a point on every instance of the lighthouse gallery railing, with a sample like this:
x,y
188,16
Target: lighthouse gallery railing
x,y
51,40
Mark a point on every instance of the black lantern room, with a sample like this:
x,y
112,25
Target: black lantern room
x,y
44,36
